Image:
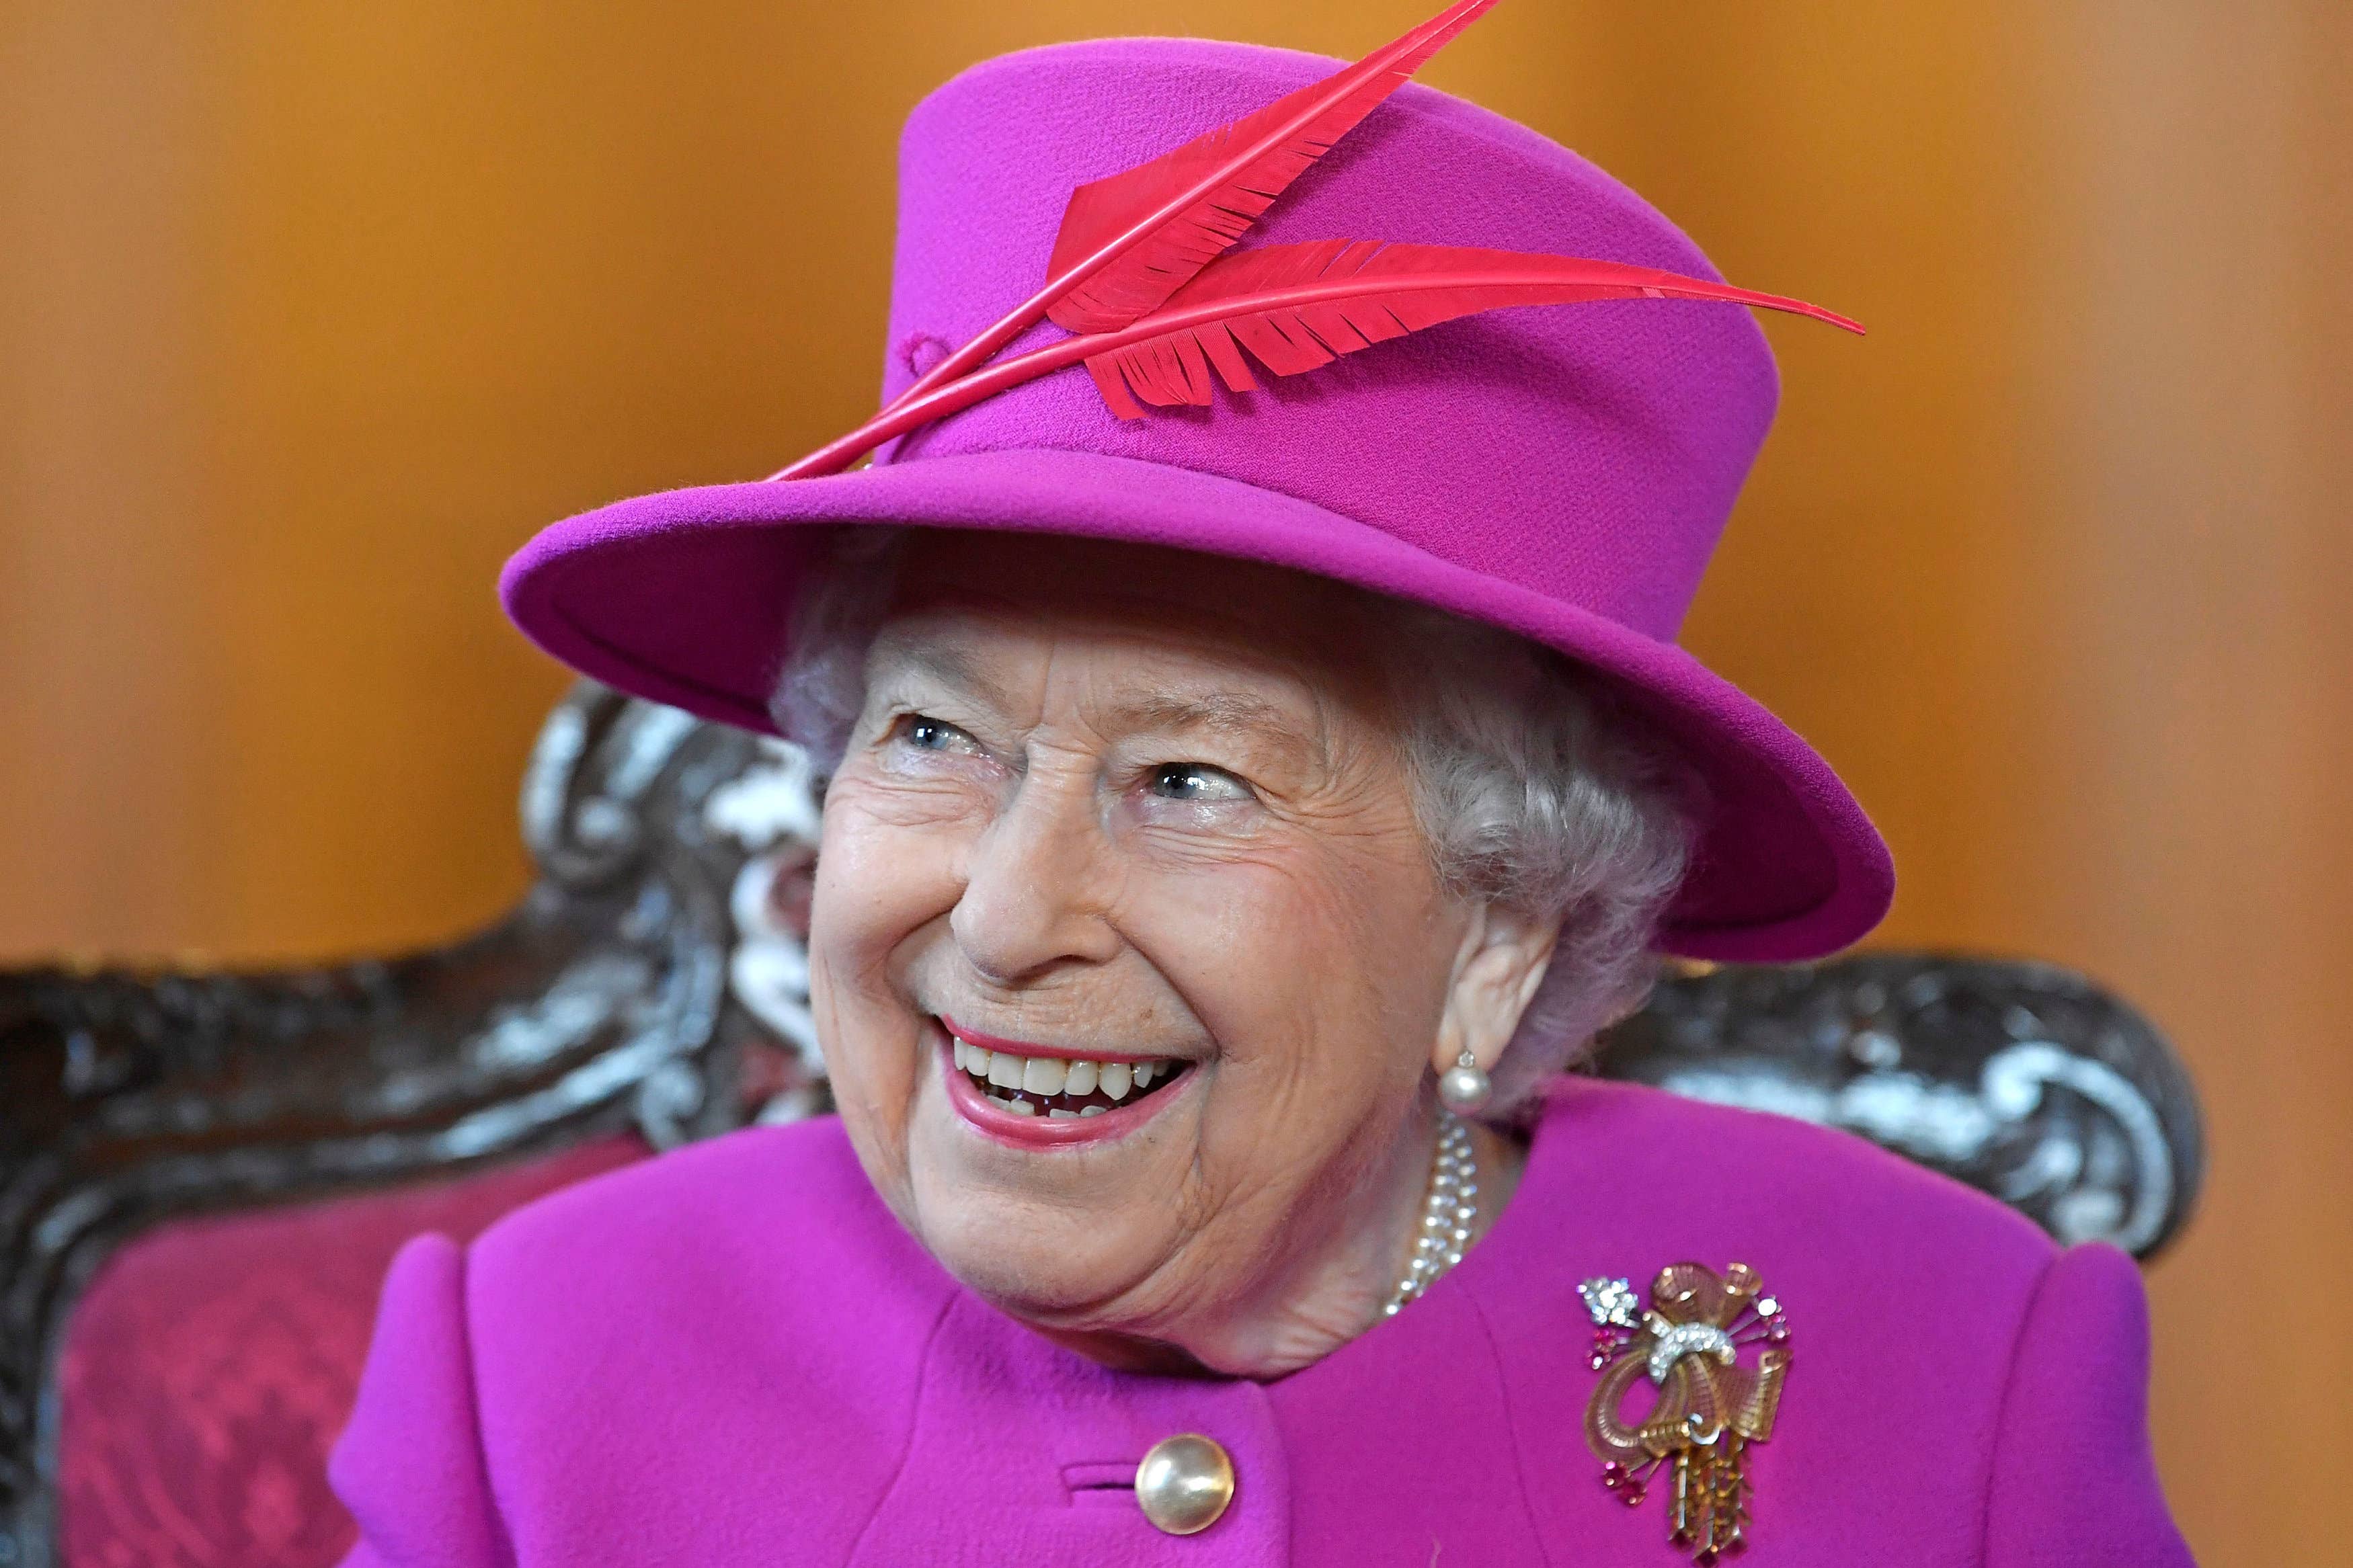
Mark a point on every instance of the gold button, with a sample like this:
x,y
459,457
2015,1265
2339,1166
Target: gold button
x,y
1185,1483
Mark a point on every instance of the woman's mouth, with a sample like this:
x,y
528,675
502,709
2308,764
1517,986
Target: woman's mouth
x,y
1060,1086
1003,1080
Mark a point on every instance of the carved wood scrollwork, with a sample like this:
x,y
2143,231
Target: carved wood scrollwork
x,y
655,977
2023,1080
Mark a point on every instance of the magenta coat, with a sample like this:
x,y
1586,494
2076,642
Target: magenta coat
x,y
733,1356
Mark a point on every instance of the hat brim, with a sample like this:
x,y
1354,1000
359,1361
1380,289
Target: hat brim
x,y
683,597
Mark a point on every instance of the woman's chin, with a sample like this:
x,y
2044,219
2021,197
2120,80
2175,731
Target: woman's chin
x,y
1046,1281
1049,1236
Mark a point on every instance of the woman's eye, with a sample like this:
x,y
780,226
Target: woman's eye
x,y
928,734
1196,782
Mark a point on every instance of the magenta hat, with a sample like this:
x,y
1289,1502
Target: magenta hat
x,y
1560,472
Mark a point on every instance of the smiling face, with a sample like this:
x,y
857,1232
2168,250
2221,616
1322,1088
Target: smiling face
x,y
1127,952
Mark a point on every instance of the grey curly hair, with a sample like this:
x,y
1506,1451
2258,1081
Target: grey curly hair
x,y
1533,789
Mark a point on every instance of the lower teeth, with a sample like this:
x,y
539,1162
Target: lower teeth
x,y
1031,1108
1057,1112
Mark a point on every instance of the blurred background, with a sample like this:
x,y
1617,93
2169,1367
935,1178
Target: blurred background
x,y
310,314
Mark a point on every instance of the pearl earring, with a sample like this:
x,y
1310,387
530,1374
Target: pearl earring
x,y
1465,1085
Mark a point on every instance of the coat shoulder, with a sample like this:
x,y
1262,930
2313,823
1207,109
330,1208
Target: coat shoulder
x,y
1955,1383
767,1211
748,1297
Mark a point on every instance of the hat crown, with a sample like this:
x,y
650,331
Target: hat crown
x,y
1561,471
1590,453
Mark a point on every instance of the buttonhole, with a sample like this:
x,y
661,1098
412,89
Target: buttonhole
x,y
1101,1480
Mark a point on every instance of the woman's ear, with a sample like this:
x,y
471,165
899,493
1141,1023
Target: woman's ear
x,y
1497,969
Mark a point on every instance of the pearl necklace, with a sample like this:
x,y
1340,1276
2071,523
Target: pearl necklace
x,y
1446,1213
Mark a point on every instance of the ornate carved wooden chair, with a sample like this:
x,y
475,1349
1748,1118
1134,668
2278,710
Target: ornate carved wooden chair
x,y
203,1176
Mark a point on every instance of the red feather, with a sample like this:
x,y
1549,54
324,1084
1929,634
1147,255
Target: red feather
x,y
1129,240
1295,307
1224,180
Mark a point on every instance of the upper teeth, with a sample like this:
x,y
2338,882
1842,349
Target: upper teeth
x,y
1055,1075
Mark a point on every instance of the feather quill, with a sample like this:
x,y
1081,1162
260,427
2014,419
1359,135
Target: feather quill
x,y
1292,308
1296,307
1129,240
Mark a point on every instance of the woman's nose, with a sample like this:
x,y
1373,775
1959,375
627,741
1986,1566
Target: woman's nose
x,y
1034,894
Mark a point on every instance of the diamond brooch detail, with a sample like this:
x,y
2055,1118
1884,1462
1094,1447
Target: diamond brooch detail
x,y
1709,1407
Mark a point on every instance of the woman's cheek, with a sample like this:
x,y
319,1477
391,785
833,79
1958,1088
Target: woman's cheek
x,y
877,884
1328,980
1251,947
883,871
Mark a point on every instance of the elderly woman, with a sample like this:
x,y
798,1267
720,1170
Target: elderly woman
x,y
1242,806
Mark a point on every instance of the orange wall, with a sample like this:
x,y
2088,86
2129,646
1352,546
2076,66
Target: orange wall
x,y
310,313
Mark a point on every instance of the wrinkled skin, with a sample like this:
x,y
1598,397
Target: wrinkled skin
x,y
1113,797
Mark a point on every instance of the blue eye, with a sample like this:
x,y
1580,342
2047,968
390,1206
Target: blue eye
x,y
1196,782
928,734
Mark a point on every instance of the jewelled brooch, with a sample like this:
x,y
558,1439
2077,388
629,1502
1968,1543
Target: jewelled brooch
x,y
1709,1407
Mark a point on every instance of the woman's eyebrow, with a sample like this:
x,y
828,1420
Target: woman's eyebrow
x,y
1221,712
945,663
